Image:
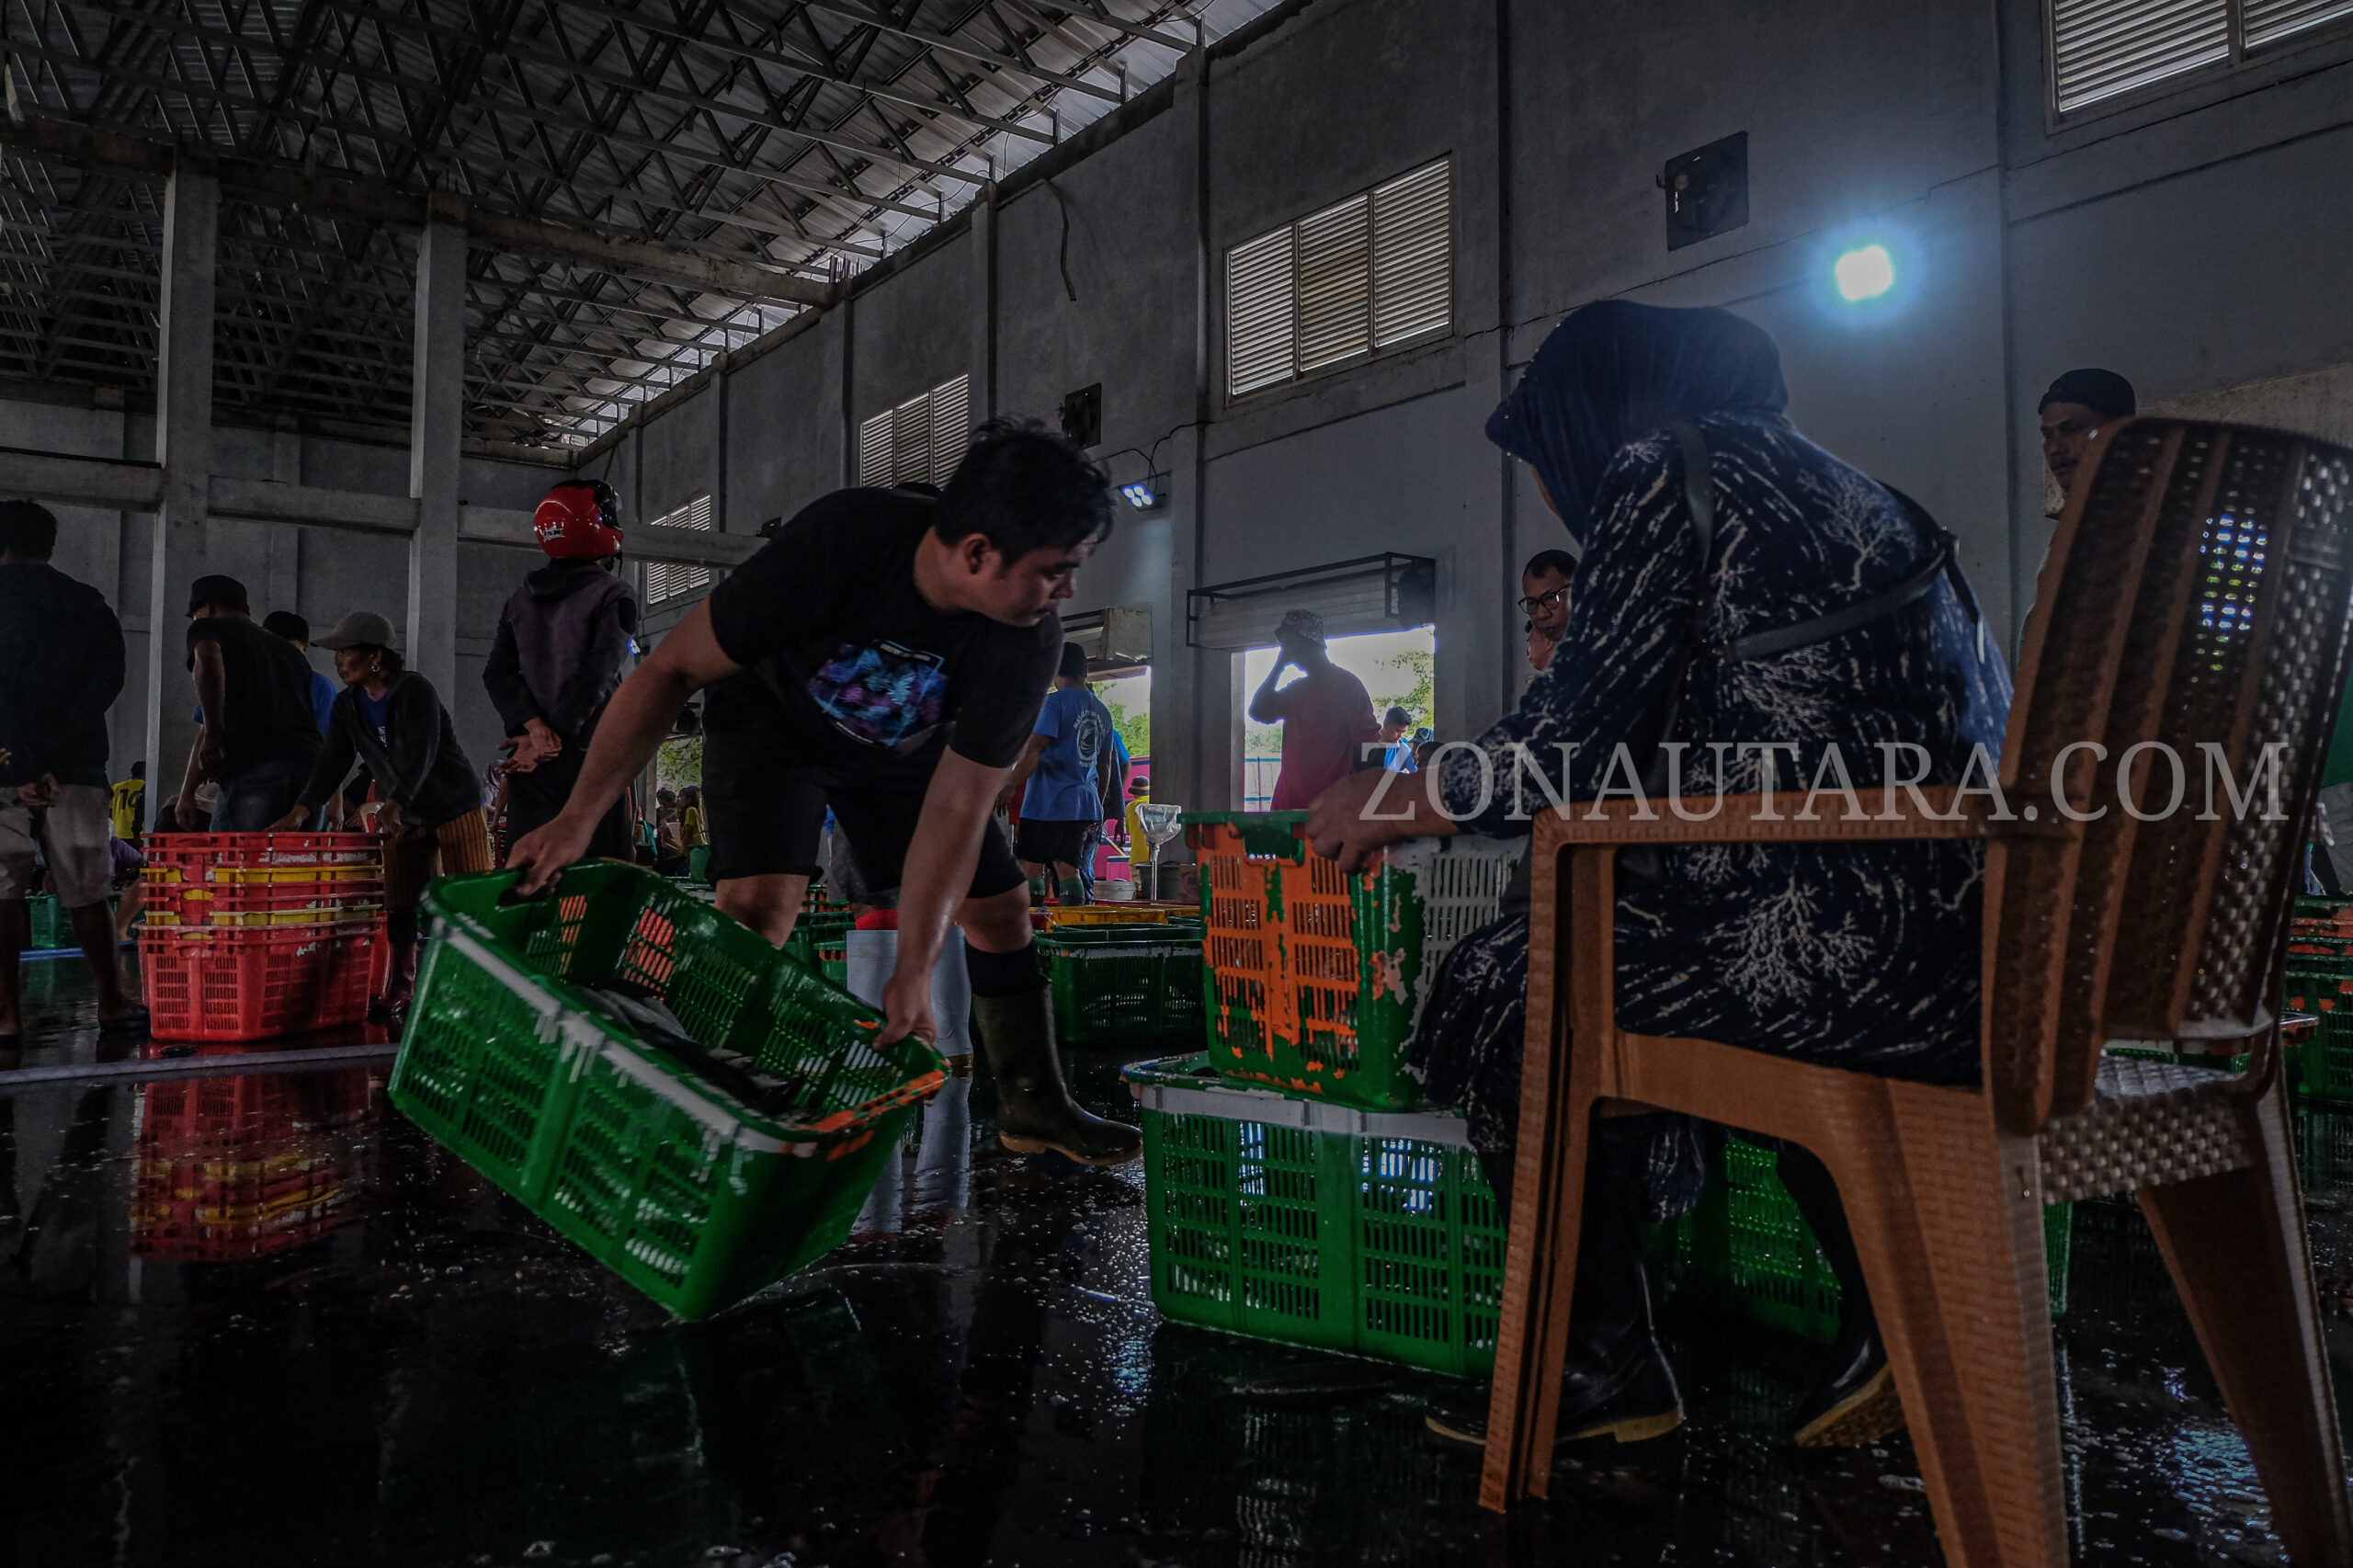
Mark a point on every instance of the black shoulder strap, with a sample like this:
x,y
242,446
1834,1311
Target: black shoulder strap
x,y
1943,560
1699,490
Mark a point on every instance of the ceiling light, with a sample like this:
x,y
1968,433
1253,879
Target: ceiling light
x,y
1147,495
1864,273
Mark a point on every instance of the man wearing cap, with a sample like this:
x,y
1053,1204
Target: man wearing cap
x,y
2072,411
390,719
259,732
1325,716
557,659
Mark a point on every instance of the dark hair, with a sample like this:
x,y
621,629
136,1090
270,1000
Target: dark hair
x,y
1545,560
1396,716
1073,665
388,658
691,793
27,529
1022,488
286,624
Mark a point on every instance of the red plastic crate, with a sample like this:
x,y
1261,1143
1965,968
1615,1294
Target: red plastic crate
x,y
229,983
284,851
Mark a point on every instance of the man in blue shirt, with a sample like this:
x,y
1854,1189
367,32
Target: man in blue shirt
x,y
295,630
1070,748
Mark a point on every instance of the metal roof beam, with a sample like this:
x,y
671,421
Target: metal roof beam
x,y
289,185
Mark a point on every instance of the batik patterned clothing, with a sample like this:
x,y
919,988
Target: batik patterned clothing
x,y
1853,956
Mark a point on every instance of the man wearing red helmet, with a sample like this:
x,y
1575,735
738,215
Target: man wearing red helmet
x,y
561,641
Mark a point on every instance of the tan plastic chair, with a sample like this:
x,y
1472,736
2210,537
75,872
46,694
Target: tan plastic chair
x,y
2158,618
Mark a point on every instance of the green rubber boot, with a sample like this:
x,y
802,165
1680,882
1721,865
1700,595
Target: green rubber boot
x,y
1034,1111
1037,893
1074,891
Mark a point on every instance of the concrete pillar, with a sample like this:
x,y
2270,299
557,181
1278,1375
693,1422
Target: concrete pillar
x,y
437,404
184,447
984,305
719,446
1193,759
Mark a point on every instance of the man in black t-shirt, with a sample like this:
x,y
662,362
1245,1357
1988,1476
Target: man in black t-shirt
x,y
886,655
260,729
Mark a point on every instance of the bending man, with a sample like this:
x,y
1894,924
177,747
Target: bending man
x,y
890,652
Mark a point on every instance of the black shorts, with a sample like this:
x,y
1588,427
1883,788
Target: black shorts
x,y
765,799
1044,841
533,800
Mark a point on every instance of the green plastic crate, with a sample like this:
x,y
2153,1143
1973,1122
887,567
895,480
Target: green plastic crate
x,y
637,1155
1748,1245
1313,979
51,927
2322,1068
1111,986
1282,1218
814,930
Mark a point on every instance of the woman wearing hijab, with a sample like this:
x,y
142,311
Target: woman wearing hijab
x,y
1862,956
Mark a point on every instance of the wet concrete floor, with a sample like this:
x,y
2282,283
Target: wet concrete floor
x,y
405,1367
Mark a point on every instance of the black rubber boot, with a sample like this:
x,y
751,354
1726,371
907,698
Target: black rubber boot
x,y
1854,1400
1616,1381
1034,1111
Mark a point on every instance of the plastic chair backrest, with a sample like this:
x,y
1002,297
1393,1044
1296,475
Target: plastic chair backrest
x,y
2193,607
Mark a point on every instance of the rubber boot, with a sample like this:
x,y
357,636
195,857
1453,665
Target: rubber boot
x,y
1034,1111
1854,1401
1074,892
1038,893
1616,1381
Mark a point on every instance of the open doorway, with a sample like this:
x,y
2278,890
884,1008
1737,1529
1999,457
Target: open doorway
x,y
1398,669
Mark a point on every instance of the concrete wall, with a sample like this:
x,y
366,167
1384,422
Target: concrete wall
x,y
2195,239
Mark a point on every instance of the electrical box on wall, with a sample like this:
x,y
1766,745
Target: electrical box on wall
x,y
1082,416
1707,191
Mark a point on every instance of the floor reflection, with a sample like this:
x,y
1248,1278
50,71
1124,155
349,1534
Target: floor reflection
x,y
256,1319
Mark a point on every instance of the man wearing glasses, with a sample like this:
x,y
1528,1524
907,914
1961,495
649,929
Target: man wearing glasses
x,y
1544,590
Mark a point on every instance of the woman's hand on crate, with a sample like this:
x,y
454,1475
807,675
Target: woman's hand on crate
x,y
294,821
1368,810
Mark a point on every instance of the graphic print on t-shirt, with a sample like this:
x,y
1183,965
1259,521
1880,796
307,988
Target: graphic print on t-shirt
x,y
880,693
1088,735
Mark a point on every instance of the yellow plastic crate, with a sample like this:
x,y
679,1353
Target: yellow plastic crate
x,y
1119,914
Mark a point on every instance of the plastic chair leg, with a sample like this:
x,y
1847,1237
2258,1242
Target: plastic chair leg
x,y
1952,1252
2231,1241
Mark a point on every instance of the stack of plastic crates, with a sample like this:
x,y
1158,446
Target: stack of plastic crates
x,y
1120,981
820,936
249,934
1315,976
1289,1219
2320,981
229,1169
699,1165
